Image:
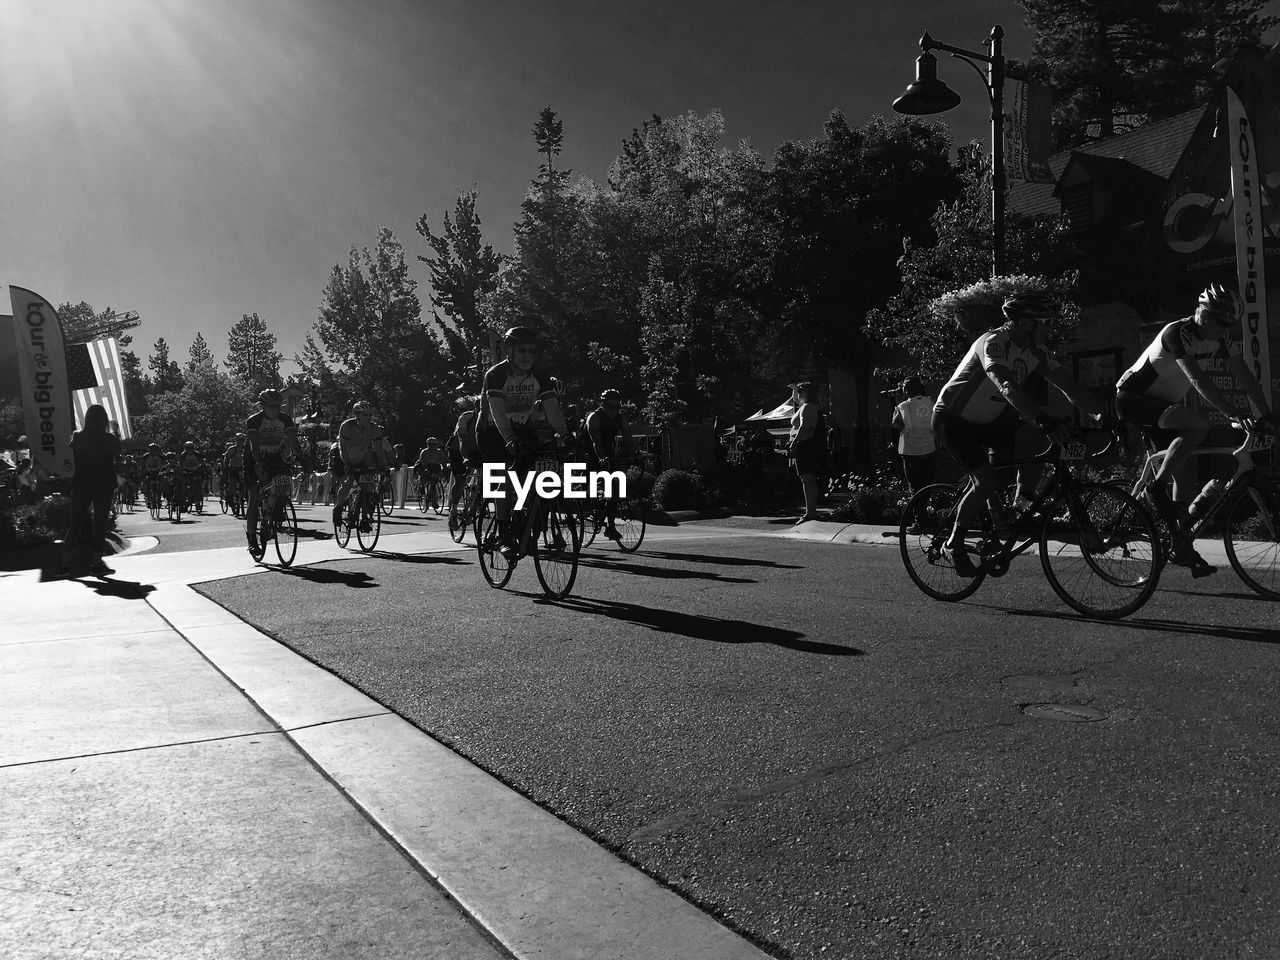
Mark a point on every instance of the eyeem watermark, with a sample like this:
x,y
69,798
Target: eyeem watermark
x,y
573,482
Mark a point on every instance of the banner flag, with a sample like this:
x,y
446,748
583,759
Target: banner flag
x,y
1246,195
96,377
1028,133
42,368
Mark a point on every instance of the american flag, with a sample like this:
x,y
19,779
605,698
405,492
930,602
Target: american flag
x,y
93,370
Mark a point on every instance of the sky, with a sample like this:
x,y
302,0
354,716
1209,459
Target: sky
x,y
196,160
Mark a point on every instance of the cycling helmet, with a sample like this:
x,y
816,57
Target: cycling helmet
x,y
517,335
153,446
610,396
190,445
1222,301
433,441
361,407
1030,306
241,436
270,396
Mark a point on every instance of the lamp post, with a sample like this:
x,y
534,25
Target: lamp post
x,y
927,94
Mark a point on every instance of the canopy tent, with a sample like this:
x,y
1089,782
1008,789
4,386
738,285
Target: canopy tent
x,y
782,411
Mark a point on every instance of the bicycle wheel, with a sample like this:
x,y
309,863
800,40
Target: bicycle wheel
x,y
437,497
496,568
264,531
926,524
386,498
555,551
1252,538
630,523
1103,558
369,527
458,519
422,496
346,520
590,520
286,532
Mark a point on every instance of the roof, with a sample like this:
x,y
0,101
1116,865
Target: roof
x,y
1154,148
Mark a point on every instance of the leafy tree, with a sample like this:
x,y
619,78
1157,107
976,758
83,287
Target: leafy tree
x,y
200,354
1117,64
251,353
464,275
166,375
209,408
370,322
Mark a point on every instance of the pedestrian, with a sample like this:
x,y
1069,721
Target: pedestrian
x,y
95,450
916,448
807,444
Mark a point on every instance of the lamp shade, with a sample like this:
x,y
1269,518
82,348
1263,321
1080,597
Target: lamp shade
x,y
926,94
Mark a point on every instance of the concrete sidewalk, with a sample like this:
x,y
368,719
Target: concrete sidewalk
x,y
175,784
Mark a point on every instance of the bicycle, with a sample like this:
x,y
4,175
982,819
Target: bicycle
x,y
544,529
361,513
153,493
277,520
386,495
1099,547
127,494
629,519
1248,503
176,499
463,514
431,494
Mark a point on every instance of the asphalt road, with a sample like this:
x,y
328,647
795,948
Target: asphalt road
x,y
791,736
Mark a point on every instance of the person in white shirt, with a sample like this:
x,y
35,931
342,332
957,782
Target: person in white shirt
x,y
913,417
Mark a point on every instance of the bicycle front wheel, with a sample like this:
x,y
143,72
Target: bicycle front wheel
x,y
630,523
496,568
286,533
386,499
555,554
346,520
437,497
369,525
926,524
1103,558
1252,538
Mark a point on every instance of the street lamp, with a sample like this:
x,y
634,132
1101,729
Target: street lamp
x,y
927,94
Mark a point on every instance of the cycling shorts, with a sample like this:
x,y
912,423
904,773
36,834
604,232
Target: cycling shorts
x,y
1145,412
970,442
272,465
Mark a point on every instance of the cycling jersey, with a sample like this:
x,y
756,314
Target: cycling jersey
x,y
1156,373
431,456
972,394
464,432
153,464
359,441
603,429
519,391
190,461
233,458
270,432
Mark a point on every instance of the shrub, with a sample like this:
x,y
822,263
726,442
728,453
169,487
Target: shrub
x,y
37,525
870,503
677,490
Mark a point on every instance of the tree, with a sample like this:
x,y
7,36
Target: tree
x,y
166,375
464,274
370,322
201,355
1117,64
209,408
81,322
251,353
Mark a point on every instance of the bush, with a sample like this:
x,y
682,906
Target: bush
x,y
677,490
870,503
37,525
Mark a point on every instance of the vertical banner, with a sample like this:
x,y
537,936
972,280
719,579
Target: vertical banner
x,y
1246,194
42,368
96,377
1028,133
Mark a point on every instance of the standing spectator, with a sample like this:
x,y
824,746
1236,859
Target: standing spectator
x,y
95,450
807,446
913,418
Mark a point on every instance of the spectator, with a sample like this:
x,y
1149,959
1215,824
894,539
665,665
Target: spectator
x,y
95,450
807,446
913,418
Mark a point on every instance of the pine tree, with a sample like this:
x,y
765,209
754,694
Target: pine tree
x,y
166,375
201,355
251,353
1117,64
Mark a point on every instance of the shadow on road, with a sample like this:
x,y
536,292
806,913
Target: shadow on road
x,y
416,557
726,561
699,627
356,579
1217,632
659,573
125,589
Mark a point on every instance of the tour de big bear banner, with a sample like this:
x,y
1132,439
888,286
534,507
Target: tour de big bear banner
x,y
42,370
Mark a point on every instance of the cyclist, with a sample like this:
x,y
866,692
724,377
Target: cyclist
x,y
152,465
271,439
232,473
506,431
191,465
430,465
985,406
463,451
1150,395
361,445
606,427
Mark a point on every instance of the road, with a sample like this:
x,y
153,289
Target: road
x,y
792,737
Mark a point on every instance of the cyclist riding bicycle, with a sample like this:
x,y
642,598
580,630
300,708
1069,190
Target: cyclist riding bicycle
x,y
270,436
463,450
361,445
984,406
1150,395
233,461
506,433
606,427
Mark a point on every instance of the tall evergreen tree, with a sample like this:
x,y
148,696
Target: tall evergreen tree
x,y
166,375
251,353
1117,64
199,352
